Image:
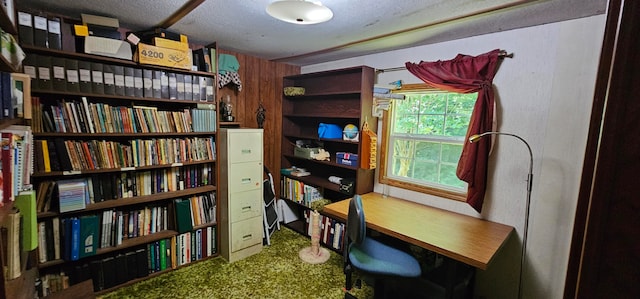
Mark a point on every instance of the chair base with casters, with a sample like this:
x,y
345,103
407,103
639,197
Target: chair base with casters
x,y
371,257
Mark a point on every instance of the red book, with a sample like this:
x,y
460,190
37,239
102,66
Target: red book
x,y
6,181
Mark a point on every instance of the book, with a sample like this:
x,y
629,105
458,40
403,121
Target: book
x,y
13,228
7,167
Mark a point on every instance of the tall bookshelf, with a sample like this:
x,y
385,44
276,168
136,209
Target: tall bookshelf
x,y
339,97
23,285
154,155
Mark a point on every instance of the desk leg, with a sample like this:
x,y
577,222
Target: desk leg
x,y
455,274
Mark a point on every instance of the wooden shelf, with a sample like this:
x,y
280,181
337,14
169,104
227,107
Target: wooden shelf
x,y
112,135
105,59
127,201
128,99
107,170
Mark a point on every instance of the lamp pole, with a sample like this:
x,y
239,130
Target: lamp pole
x,y
477,137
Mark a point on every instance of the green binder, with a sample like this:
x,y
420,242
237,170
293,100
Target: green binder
x,y
26,203
88,235
183,215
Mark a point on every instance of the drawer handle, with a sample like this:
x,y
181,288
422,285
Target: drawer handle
x,y
247,237
247,208
246,180
246,151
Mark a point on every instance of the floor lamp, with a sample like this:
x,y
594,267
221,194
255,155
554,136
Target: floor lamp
x,y
477,137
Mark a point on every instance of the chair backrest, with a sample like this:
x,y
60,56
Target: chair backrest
x,y
356,226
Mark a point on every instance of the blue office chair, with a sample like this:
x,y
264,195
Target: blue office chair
x,y
372,257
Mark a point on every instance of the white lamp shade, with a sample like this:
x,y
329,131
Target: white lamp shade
x,y
299,11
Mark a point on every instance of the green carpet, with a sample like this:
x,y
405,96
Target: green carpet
x,y
276,272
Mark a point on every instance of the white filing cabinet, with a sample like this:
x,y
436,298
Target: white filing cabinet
x,y
241,176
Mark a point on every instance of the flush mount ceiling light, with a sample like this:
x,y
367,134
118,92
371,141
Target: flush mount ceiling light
x,y
300,11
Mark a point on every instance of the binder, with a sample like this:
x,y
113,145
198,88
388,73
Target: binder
x,y
29,67
147,83
173,86
84,70
180,86
54,36
44,72
203,88
25,28
129,82
118,75
138,83
164,85
209,91
40,31
88,235
58,66
97,80
26,204
188,87
109,79
157,86
8,102
73,75
183,215
195,88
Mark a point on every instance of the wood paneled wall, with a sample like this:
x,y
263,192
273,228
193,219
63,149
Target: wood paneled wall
x,y
261,83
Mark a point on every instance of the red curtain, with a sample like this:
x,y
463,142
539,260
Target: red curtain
x,y
467,74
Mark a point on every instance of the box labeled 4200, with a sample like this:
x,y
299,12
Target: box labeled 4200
x,y
148,54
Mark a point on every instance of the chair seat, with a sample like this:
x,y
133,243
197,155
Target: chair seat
x,y
377,258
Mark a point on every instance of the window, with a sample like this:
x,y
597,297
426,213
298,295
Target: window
x,y
423,139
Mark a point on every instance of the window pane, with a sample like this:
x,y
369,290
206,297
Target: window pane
x,y
431,125
426,138
431,103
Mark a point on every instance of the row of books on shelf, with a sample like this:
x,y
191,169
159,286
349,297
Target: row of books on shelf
x,y
74,238
16,161
78,155
331,231
84,117
112,186
77,76
300,192
111,270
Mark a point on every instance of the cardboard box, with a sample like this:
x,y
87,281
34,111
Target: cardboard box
x,y
154,55
347,162
107,47
347,156
305,152
170,44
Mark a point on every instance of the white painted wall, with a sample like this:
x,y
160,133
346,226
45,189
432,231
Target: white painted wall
x,y
544,94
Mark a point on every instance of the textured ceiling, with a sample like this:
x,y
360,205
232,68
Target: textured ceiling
x,y
358,27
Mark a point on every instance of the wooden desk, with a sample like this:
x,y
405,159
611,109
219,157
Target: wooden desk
x,y
463,238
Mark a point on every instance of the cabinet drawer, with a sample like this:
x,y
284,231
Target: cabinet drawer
x,y
246,233
247,146
245,205
245,176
